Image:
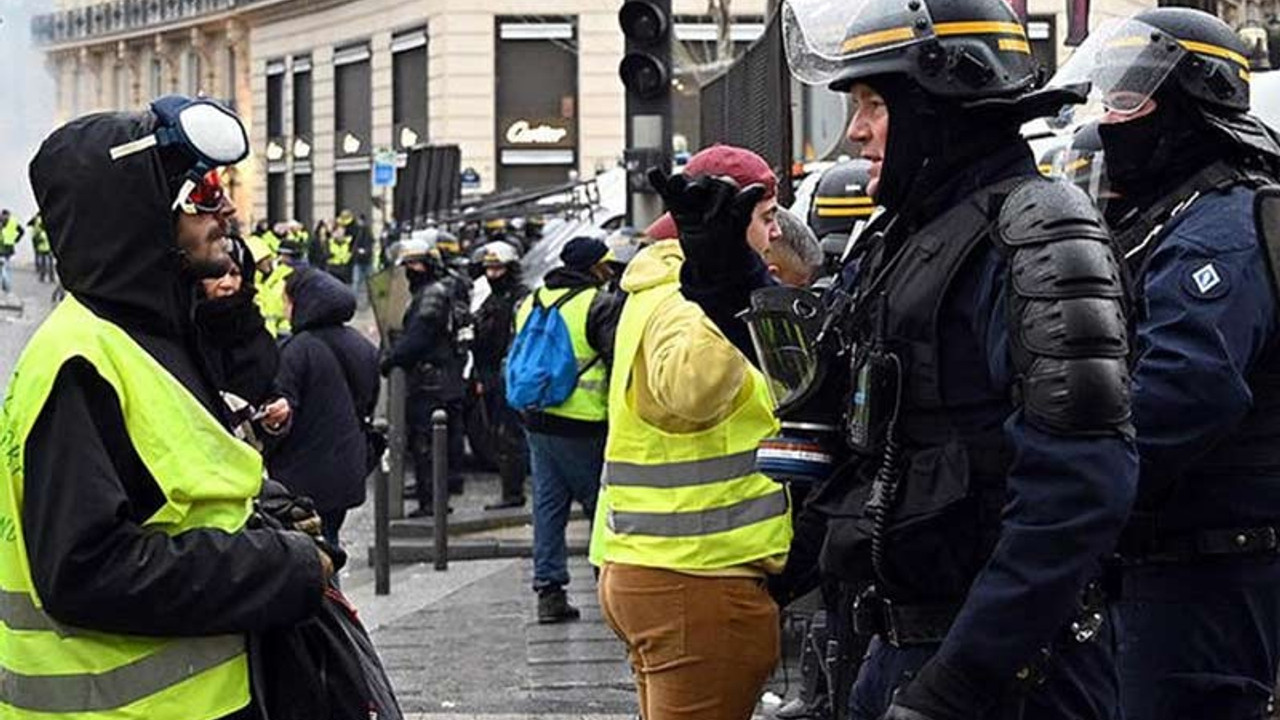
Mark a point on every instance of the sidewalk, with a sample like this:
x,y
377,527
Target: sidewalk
x,y
465,644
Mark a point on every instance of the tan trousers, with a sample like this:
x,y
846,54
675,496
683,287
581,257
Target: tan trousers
x,y
701,647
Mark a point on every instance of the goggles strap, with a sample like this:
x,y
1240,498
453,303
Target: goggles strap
x,y
184,193
134,146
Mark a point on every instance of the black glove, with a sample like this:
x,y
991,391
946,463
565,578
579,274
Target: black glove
x,y
385,366
337,555
712,215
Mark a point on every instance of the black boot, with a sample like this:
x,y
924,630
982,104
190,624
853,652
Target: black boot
x,y
506,503
554,607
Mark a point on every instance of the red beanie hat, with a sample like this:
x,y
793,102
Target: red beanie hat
x,y
744,166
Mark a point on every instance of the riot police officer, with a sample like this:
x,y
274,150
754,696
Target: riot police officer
x,y
429,349
990,460
840,209
1199,613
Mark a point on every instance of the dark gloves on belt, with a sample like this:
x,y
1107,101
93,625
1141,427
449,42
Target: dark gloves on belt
x,y
938,692
712,215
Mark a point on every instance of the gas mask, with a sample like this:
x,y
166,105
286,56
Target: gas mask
x,y
800,353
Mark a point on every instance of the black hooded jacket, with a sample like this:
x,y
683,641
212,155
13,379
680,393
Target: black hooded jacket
x,y
86,491
322,455
232,337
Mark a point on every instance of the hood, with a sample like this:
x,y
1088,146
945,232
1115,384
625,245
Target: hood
x,y
319,300
109,221
563,277
657,264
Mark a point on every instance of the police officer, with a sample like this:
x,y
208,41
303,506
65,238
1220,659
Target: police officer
x,y
840,209
428,349
1199,614
992,463
494,323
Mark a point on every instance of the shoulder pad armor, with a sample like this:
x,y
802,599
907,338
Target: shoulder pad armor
x,y
1068,321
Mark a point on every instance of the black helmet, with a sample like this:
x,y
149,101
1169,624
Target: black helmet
x,y
1215,69
958,49
840,200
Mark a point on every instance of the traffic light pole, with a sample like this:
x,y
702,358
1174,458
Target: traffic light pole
x,y
645,71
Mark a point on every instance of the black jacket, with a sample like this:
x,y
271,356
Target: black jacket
x,y
241,355
495,322
602,328
428,346
322,455
86,492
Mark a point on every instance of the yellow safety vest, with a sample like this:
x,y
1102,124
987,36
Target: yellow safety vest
x,y
270,299
9,233
339,251
684,501
589,400
209,479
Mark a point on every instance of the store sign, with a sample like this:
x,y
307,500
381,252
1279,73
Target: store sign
x,y
538,133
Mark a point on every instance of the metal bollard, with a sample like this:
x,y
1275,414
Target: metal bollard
x,y
440,485
382,521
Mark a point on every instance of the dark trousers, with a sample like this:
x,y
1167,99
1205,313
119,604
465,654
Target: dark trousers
x,y
420,410
511,452
565,469
1079,682
1199,641
44,266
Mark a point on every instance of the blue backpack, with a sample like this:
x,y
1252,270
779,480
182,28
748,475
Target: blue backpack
x,y
542,370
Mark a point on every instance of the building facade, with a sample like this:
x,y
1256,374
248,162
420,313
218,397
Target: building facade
x,y
328,86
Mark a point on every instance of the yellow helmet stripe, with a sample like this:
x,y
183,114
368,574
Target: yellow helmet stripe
x,y
980,27
880,37
828,201
1014,46
1216,51
846,212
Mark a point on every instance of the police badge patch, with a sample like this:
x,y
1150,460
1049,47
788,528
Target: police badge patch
x,y
1206,282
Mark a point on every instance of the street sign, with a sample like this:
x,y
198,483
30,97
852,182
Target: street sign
x,y
384,169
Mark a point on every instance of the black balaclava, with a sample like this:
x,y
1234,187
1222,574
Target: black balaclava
x,y
419,278
931,141
1148,156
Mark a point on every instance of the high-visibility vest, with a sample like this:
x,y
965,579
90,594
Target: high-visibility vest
x,y
270,299
684,501
9,234
208,478
339,251
590,399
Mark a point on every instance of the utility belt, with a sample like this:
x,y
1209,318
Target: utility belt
x,y
907,624
1139,545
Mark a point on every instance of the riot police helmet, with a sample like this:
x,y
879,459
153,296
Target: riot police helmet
x,y
1214,70
840,199
957,49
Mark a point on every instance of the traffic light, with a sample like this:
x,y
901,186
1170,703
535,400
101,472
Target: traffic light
x,y
645,72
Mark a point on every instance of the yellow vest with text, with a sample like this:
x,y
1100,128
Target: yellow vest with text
x,y
339,251
684,501
208,478
589,401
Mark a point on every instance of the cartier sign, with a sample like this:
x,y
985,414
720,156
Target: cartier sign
x,y
538,133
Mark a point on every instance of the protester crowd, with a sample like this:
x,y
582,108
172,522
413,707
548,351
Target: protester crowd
x,y
1020,439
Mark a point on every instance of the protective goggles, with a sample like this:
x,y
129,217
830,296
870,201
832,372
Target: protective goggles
x,y
206,196
208,131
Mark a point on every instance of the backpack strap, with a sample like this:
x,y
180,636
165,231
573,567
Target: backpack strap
x,y
556,306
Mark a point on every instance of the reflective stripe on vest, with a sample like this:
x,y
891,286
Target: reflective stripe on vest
x,y
208,479
691,501
589,400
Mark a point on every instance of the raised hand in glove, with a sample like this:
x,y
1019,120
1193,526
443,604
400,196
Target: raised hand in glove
x,y
712,214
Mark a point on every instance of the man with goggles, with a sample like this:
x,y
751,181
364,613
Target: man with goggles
x,y
134,567
1197,211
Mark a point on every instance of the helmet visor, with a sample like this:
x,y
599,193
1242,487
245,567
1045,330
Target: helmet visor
x,y
784,322
822,36
1124,62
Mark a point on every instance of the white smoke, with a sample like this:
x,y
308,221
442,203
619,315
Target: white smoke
x,y
28,90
